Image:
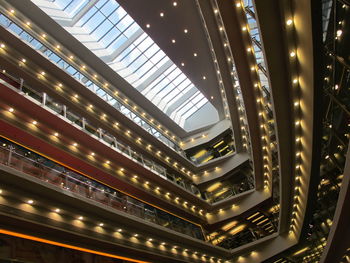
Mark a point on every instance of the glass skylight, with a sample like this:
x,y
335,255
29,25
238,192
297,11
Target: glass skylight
x,y
109,32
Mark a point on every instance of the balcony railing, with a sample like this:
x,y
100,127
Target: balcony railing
x,y
37,166
46,102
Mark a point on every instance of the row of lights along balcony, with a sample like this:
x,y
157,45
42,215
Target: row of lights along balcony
x,y
299,171
110,33
51,172
109,140
115,231
81,73
47,103
239,99
234,76
335,139
264,111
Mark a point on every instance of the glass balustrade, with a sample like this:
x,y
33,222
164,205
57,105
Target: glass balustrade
x,y
37,166
98,133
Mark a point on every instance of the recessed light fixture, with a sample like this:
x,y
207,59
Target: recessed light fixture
x,y
30,202
174,3
136,235
185,30
195,54
12,11
56,134
204,77
212,97
101,224
34,122
161,14
148,25
43,35
28,23
182,64
24,60
11,109
75,144
173,41
120,230
80,218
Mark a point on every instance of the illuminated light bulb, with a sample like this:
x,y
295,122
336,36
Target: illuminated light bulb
x,y
92,154
295,81
244,28
101,224
182,64
174,3
57,210
12,11
75,144
185,31
148,25
249,49
173,41
289,22
34,122
28,23
43,35
56,134
2,46
195,54
238,5
204,77
221,28
43,73
80,218
58,46
11,109
292,54
30,202
161,14
339,33
296,103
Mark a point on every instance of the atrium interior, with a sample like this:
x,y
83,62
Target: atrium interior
x,y
174,131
